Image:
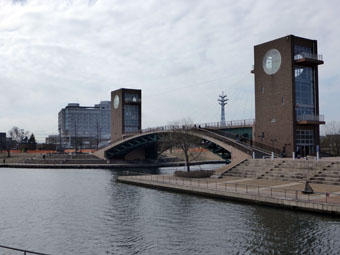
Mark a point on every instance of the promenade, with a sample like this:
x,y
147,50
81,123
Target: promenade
x,y
325,199
120,165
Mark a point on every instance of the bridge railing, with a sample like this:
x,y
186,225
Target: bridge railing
x,y
196,128
250,142
244,144
265,147
233,123
231,141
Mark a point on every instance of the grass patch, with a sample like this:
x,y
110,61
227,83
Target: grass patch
x,y
194,174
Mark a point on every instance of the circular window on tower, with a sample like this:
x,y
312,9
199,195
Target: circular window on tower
x,y
116,102
271,61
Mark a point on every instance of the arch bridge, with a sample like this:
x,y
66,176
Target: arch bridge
x,y
145,145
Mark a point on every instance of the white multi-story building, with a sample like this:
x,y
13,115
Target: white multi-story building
x,y
85,125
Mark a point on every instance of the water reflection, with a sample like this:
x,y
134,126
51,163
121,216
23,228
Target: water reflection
x,y
84,211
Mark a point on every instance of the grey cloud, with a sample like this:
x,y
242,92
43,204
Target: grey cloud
x,y
181,53
22,2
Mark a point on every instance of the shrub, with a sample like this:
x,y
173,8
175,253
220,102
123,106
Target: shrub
x,y
194,174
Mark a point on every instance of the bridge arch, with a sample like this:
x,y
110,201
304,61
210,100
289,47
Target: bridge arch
x,y
144,145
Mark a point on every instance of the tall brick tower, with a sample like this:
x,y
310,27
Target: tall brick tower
x,y
126,113
287,94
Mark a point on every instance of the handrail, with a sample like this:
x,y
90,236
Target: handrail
x,y
232,123
22,250
310,117
244,144
228,140
252,144
303,55
241,188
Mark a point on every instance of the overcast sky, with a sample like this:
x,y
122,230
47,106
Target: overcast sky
x,y
181,53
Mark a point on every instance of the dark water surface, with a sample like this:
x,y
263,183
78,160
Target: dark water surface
x,y
84,211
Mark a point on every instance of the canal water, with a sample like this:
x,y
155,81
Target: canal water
x,y
85,211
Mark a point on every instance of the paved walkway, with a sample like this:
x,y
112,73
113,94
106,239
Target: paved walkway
x,y
280,193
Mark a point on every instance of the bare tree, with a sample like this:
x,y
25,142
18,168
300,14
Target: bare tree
x,y
9,146
182,138
20,138
332,139
19,135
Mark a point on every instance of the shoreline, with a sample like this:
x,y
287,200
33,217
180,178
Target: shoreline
x,y
209,191
107,166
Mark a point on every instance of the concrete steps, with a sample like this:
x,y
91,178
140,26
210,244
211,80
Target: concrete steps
x,y
251,168
322,172
330,174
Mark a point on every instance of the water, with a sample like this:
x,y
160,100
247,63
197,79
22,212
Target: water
x,y
85,211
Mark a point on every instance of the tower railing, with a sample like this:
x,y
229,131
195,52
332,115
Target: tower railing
x,y
131,100
308,55
310,117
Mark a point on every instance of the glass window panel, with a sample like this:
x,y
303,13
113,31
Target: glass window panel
x,y
131,118
304,91
304,137
131,97
298,49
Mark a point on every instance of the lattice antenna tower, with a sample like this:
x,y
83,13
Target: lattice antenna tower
x,y
222,100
